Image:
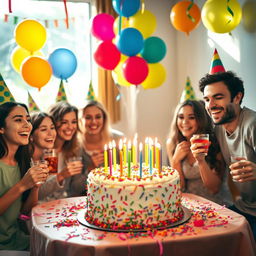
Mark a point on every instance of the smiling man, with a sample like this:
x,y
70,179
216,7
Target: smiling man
x,y
235,128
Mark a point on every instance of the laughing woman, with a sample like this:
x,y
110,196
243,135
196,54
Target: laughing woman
x,y
16,176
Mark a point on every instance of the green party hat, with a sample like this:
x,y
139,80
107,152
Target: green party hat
x,y
91,94
188,93
61,96
5,94
32,106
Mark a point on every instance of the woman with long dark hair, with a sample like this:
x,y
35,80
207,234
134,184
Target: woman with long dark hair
x,y
18,182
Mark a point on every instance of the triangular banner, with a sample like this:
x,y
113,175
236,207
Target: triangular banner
x,y
61,96
188,93
32,106
91,94
5,94
216,64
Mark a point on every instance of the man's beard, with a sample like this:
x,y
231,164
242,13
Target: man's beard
x,y
229,115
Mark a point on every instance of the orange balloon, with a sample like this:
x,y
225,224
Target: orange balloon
x,y
183,19
36,71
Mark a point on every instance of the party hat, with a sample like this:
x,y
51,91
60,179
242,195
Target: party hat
x,y
61,96
91,94
5,94
216,64
188,93
32,106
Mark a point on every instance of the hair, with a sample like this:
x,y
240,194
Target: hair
x,y
204,126
57,112
22,155
106,126
36,120
230,79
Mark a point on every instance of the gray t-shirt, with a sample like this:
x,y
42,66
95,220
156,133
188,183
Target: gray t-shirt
x,y
242,142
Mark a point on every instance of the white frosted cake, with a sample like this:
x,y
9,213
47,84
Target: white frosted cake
x,y
122,202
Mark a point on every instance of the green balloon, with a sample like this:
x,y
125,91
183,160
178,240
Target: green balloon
x,y
154,49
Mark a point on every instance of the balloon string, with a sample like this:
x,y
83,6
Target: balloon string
x,y
120,24
230,11
188,9
66,12
10,6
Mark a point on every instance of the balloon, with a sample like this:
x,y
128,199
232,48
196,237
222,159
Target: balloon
x,y
145,22
36,71
156,76
154,49
102,26
135,70
107,55
217,17
19,55
30,34
124,24
126,8
117,73
130,41
182,20
63,62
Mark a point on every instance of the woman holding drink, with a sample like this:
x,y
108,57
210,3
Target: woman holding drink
x,y
196,156
67,150
18,182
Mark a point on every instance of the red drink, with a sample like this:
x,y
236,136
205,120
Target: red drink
x,y
52,164
205,141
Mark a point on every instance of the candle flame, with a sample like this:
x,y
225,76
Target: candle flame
x,y
120,144
105,147
113,144
146,140
140,146
110,145
129,144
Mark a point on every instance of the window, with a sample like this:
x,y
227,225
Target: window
x,y
77,39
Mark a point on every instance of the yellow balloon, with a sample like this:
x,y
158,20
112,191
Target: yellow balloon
x,y
156,76
145,22
19,55
117,73
217,15
124,24
30,34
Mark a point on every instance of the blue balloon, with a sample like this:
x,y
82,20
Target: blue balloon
x,y
63,62
126,8
130,41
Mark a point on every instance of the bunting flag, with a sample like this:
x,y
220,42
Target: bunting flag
x,y
91,94
32,106
61,96
216,64
5,94
188,93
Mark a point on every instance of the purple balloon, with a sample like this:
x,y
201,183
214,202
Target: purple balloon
x,y
102,26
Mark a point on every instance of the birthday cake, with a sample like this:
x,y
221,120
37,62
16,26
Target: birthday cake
x,y
131,201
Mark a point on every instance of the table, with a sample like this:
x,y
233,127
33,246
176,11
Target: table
x,y
212,230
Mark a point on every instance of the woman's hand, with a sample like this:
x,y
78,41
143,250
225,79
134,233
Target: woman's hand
x,y
199,150
72,168
181,151
97,158
35,176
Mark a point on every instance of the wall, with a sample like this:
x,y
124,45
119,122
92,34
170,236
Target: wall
x,y
186,56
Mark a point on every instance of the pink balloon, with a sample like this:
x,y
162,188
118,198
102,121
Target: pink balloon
x,y
102,26
107,55
135,70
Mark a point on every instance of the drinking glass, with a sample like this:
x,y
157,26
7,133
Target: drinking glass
x,y
234,159
50,155
201,138
37,164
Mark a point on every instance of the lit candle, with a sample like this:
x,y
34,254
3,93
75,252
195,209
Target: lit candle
x,y
146,151
106,157
160,159
114,154
110,158
129,159
125,151
121,157
150,156
134,150
157,156
140,147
